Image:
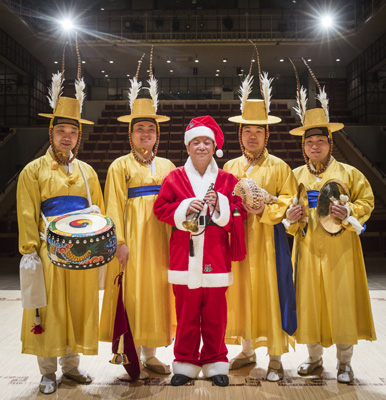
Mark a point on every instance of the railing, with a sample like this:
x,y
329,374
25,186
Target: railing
x,y
158,26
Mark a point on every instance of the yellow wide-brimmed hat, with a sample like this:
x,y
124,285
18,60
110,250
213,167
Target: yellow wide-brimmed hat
x,y
316,118
143,108
67,108
255,113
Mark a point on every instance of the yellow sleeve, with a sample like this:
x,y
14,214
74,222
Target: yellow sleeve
x,y
285,191
361,201
28,210
116,197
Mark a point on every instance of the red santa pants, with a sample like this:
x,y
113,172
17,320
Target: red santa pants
x,y
200,312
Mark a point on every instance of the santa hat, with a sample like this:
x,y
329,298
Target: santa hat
x,y
205,126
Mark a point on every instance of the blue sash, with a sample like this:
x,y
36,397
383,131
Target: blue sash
x,y
143,191
312,198
285,281
63,205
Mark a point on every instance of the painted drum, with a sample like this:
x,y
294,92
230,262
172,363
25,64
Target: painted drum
x,y
81,241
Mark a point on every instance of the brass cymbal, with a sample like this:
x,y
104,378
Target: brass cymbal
x,y
303,202
330,194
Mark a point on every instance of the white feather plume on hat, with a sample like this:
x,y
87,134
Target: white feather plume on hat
x,y
56,89
80,91
266,90
301,101
245,90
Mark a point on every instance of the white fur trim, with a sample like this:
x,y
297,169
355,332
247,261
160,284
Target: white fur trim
x,y
180,213
196,263
187,369
216,368
219,153
222,218
208,280
198,131
200,184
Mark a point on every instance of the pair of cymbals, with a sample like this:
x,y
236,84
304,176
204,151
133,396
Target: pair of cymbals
x,y
329,194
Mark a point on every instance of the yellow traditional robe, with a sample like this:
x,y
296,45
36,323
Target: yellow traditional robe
x,y
333,304
253,299
147,293
70,319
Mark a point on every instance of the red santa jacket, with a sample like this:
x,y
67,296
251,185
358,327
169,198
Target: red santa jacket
x,y
211,264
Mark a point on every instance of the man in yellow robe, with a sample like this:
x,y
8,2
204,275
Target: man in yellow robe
x,y
66,302
333,304
263,286
132,185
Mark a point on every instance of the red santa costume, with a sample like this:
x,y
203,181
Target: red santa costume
x,y
200,264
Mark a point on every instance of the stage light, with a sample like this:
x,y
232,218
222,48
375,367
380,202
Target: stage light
x,y
106,76
128,75
111,62
327,21
168,60
55,62
217,74
253,60
83,62
67,24
281,60
171,70
338,59
103,72
196,60
309,60
224,60
217,70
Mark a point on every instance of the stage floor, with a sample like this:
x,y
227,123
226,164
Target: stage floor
x,y
19,374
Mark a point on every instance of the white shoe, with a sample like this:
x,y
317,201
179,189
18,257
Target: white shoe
x,y
78,375
157,366
48,384
241,360
308,367
143,375
275,371
345,373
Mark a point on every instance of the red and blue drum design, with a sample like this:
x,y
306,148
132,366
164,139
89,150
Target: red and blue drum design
x,y
81,241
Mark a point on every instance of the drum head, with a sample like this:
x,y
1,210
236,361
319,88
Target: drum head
x,y
329,194
81,241
303,202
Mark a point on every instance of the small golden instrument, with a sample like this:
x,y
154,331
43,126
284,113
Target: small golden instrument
x,y
191,225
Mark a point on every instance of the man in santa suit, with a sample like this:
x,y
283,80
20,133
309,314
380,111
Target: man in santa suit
x,y
200,262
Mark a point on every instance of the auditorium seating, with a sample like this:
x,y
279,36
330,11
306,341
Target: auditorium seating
x,y
109,135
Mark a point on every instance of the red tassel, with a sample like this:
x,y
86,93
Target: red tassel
x,y
37,328
238,249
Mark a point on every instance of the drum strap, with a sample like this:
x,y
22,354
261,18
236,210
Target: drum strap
x,y
87,188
